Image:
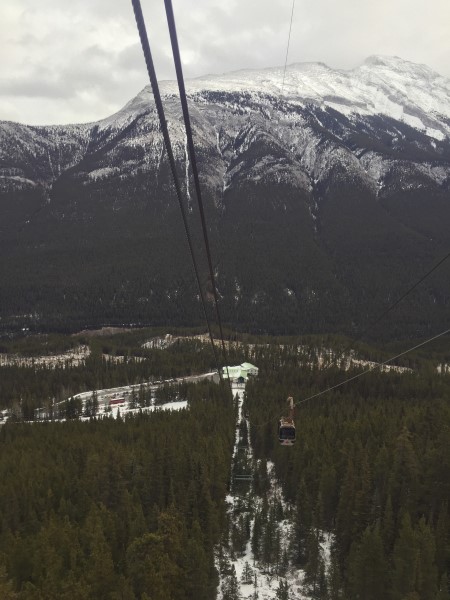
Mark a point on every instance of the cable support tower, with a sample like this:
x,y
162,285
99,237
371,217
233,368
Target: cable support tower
x,y
193,159
162,119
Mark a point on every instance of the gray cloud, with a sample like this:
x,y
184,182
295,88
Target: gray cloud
x,y
81,61
33,87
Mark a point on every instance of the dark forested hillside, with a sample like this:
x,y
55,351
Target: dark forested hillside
x,y
115,253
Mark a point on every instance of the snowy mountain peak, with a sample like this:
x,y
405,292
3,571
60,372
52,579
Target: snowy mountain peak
x,y
386,86
383,85
341,164
394,64
365,122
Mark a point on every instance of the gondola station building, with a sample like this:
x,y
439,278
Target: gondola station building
x,y
240,373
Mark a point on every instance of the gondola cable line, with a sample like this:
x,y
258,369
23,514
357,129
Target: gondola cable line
x,y
370,326
176,53
287,437
381,364
384,314
287,48
163,123
378,320
193,161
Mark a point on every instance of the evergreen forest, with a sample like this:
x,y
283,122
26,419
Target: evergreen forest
x,y
371,466
116,509
135,508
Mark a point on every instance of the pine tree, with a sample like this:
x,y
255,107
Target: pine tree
x,y
141,396
405,561
302,521
284,564
283,590
344,516
315,566
270,547
238,535
196,566
133,399
6,587
247,574
404,475
387,526
230,587
88,407
328,493
361,511
101,573
94,403
368,567
443,539
444,592
151,569
427,572
256,536
334,578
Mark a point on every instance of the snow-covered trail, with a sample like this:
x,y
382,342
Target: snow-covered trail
x,y
118,401
240,570
125,391
243,575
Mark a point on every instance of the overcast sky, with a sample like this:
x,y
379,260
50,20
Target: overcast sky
x,y
72,61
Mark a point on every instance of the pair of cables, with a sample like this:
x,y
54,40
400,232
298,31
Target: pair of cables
x,y
164,128
152,75
375,322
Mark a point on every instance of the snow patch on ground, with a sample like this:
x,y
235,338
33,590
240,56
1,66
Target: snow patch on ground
x,y
72,358
265,582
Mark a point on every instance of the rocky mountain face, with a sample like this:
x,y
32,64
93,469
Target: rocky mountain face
x,y
326,198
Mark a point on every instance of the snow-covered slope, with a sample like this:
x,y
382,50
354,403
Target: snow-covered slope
x,y
387,86
248,125
382,85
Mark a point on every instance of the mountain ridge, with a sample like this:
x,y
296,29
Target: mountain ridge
x,y
351,185
294,84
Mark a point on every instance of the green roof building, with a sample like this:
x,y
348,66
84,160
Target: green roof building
x,y
241,371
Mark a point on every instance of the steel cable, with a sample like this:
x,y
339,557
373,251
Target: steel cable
x,y
162,119
193,159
